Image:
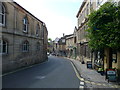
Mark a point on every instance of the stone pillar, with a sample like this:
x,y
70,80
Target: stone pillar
x,y
106,58
118,64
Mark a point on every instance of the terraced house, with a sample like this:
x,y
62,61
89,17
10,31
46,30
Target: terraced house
x,y
85,54
24,37
82,41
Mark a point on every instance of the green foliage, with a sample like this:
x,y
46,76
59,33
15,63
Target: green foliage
x,y
104,27
49,39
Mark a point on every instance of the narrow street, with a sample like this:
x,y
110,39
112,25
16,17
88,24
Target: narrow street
x,y
72,44
55,73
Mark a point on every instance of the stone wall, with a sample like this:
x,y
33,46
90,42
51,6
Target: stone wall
x,y
13,34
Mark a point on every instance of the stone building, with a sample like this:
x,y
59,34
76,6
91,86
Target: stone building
x,y
98,61
70,45
56,46
82,41
24,37
62,46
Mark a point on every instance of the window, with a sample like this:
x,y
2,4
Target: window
x,y
87,9
25,24
3,47
98,2
25,46
2,15
37,29
38,46
75,40
63,40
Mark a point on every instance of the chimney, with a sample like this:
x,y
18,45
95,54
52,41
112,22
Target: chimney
x,y
63,34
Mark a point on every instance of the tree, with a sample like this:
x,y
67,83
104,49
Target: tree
x,y
104,27
49,44
49,39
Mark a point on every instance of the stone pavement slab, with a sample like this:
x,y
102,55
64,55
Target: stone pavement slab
x,y
92,78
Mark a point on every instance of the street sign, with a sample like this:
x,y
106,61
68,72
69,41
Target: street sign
x,y
89,64
111,75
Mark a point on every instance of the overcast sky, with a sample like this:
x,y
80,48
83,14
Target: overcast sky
x,y
58,15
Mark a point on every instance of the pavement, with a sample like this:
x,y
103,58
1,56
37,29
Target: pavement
x,y
92,78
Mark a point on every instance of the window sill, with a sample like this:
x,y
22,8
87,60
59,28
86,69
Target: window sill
x,y
25,51
2,25
25,31
3,54
37,35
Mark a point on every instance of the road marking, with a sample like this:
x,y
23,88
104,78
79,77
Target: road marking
x,y
92,82
81,83
112,86
87,81
81,86
78,76
41,77
98,84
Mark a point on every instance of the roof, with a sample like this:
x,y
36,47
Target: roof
x,y
56,40
83,3
70,36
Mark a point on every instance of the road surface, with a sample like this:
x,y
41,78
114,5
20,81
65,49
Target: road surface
x,y
55,73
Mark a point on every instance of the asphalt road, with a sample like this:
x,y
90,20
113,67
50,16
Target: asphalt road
x,y
54,73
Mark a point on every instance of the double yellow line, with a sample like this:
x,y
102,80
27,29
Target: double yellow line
x,y
94,83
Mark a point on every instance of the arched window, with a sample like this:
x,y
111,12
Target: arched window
x,y
3,47
37,29
2,14
25,24
25,46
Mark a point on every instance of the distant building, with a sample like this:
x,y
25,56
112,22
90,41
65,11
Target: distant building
x,y
24,37
56,46
63,45
70,45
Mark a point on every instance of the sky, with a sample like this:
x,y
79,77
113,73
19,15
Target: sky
x,y
58,15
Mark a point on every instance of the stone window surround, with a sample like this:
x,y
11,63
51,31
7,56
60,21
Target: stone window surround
x,y
3,47
2,14
37,29
25,46
25,24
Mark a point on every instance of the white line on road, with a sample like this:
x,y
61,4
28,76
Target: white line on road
x,y
81,83
40,77
81,86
